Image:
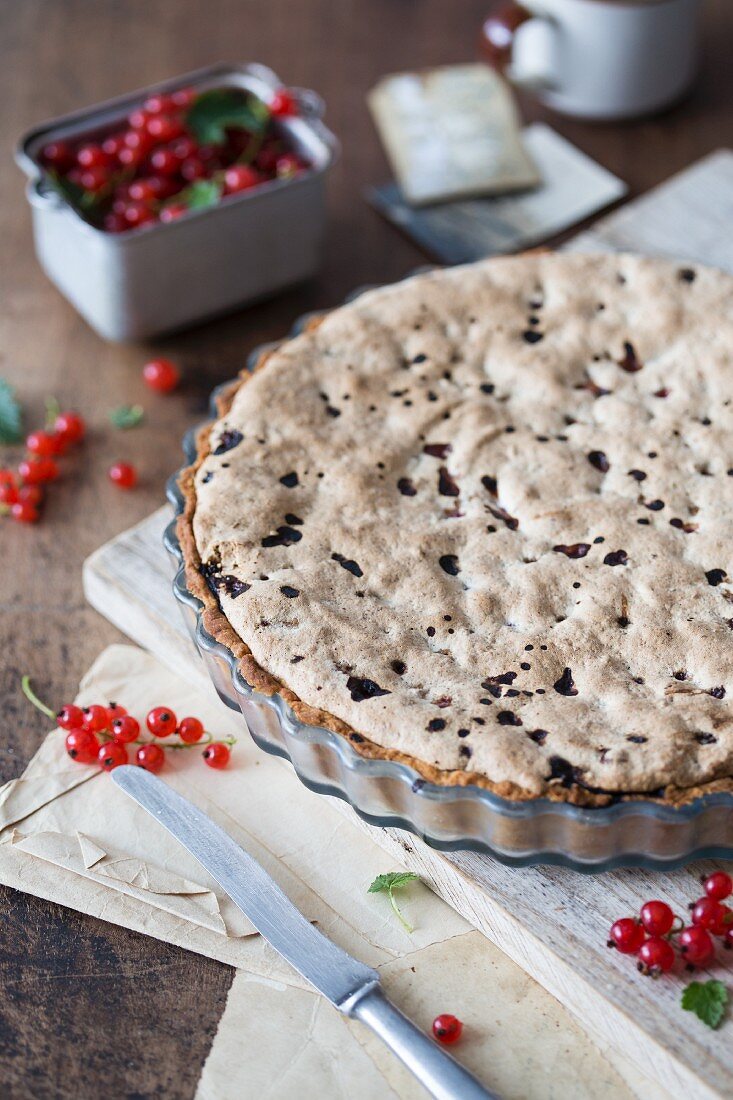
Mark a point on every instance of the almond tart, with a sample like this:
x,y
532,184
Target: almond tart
x,y
481,521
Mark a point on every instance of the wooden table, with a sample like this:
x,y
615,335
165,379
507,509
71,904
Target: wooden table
x,y
87,1008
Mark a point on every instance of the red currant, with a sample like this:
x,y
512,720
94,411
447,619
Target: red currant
x,y
70,717
164,161
30,494
696,945
142,191
7,477
657,954
728,942
287,166
22,512
35,469
43,443
183,97
216,755
115,223
125,729
138,119
193,168
9,494
138,213
161,375
161,722
447,1028
657,918
170,213
115,710
94,179
82,746
58,155
113,144
240,177
165,128
709,913
158,103
112,755
91,156
627,936
183,148
151,757
283,103
95,718
123,475
718,886
70,426
190,730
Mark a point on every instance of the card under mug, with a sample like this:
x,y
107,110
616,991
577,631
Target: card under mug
x,y
597,59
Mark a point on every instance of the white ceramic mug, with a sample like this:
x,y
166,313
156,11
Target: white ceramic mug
x,y
597,59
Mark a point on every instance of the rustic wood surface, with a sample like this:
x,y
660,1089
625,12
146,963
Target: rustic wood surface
x,y
94,1010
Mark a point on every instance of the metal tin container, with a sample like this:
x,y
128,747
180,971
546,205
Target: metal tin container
x,y
163,277
640,833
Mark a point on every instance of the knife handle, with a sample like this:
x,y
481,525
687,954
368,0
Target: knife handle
x,y
433,1067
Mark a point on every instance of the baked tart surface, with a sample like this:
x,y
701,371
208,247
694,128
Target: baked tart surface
x,y
481,521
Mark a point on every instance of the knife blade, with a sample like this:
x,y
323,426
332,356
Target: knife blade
x,y
351,986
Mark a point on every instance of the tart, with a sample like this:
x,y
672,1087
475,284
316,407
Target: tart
x,y
481,522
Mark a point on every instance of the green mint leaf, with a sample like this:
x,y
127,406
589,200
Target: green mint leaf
x,y
199,194
11,417
215,112
707,1000
127,416
390,882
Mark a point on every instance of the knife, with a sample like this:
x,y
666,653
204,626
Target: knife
x,y
351,986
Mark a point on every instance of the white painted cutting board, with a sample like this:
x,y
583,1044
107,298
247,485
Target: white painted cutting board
x,y
551,921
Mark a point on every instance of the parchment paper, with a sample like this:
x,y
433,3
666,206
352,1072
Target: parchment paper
x,y
69,835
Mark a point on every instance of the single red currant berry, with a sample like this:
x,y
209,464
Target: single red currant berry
x,y
190,730
123,475
70,426
113,144
240,177
161,722
447,1028
183,148
709,913
23,512
138,213
58,155
30,494
216,755
719,885
158,103
138,119
70,717
82,746
164,161
95,718
193,168
42,443
115,223
34,470
7,477
627,936
657,918
287,166
657,954
142,191
91,156
9,494
161,375
172,212
283,103
151,757
696,946
125,729
184,97
112,755
165,128
115,710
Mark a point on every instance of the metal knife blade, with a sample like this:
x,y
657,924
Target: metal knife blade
x,y
333,972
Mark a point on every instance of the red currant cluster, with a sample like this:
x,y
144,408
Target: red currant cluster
x,y
21,491
656,933
101,735
139,175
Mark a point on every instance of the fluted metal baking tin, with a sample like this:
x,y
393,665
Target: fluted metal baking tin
x,y
133,285
641,833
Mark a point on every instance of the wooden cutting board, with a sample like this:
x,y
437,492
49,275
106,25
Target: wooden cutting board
x,y
553,922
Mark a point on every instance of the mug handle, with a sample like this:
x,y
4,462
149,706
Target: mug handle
x,y
498,30
498,41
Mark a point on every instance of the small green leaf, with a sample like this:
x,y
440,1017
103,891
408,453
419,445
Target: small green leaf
x,y
127,416
199,194
707,1000
11,417
390,882
74,194
215,112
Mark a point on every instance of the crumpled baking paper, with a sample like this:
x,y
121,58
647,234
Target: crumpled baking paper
x,y
69,835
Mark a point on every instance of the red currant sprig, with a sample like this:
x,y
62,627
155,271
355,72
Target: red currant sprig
x,y
656,933
100,734
447,1028
21,490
